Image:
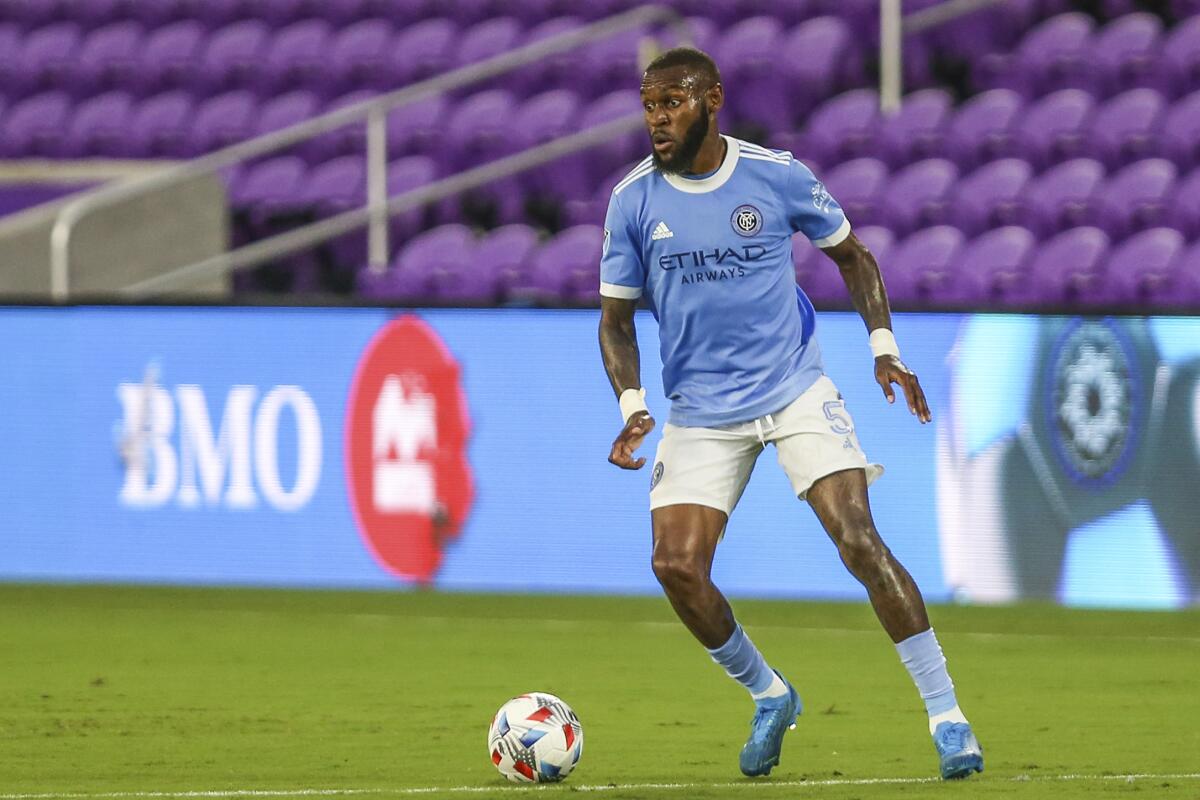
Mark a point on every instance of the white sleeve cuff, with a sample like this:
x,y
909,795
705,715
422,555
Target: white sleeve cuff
x,y
621,292
835,238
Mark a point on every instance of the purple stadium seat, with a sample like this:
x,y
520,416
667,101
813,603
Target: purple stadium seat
x,y
506,252
107,59
1140,271
217,13
1187,278
486,39
560,70
298,56
479,130
440,264
285,110
819,57
1053,55
262,191
345,12
156,13
1180,135
858,185
282,13
612,61
405,175
1066,269
878,239
1055,127
1124,52
921,270
992,266
1136,197
704,31
361,57
747,55
982,127
1063,197
350,138
539,119
1184,214
223,120
987,30
421,50
991,196
161,126
844,127
35,126
417,127
99,126
169,56
1178,69
602,160
567,268
917,196
534,11
1126,127
232,58
590,209
43,61
331,188
916,131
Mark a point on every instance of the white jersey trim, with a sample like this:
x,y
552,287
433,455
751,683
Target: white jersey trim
x,y
835,238
644,168
749,148
714,181
619,291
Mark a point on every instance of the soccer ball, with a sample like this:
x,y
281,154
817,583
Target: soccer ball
x,y
535,738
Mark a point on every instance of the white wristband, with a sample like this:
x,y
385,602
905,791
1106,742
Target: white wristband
x,y
883,343
632,401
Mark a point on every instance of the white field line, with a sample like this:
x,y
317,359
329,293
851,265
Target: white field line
x,y
599,787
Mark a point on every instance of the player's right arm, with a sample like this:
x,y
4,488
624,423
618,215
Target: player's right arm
x,y
622,278
622,362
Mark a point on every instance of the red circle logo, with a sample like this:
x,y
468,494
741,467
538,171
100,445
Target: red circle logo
x,y
406,441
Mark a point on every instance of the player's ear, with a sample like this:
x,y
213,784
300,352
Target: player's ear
x,y
715,97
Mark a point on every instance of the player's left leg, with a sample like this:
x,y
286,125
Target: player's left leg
x,y
840,503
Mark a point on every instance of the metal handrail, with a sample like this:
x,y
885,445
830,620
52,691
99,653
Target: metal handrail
x,y
374,110
317,232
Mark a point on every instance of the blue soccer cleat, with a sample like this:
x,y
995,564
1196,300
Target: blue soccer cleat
x,y
958,749
772,718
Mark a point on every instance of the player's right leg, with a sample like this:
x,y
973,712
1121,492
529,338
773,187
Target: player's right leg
x,y
698,477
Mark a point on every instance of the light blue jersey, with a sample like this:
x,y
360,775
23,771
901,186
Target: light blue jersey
x,y
715,255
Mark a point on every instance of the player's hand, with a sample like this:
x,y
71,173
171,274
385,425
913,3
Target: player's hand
x,y
889,370
629,440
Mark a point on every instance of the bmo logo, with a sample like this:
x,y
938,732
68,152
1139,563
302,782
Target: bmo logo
x,y
173,451
406,436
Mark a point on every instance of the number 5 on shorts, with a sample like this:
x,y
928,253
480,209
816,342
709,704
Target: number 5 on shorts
x,y
834,413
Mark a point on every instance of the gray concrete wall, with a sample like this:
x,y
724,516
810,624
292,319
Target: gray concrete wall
x,y
120,244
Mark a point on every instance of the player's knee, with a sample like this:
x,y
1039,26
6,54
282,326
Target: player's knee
x,y
861,548
676,571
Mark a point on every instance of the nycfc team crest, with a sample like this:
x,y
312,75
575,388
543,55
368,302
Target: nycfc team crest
x,y
746,220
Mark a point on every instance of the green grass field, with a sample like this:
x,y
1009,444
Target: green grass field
x,y
124,692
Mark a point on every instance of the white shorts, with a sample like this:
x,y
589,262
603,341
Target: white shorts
x,y
814,437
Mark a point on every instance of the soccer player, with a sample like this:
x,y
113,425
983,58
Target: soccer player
x,y
703,226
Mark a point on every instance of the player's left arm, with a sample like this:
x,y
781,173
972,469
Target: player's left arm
x,y
861,274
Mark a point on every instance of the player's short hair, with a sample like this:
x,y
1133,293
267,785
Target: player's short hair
x,y
695,60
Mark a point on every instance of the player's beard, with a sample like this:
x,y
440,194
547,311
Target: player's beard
x,y
681,161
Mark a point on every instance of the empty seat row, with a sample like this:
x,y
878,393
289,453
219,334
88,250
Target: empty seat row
x,y
1066,124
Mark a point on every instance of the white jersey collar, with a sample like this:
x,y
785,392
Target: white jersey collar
x,y
714,181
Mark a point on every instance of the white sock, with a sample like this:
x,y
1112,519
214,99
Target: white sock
x,y
953,715
777,689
